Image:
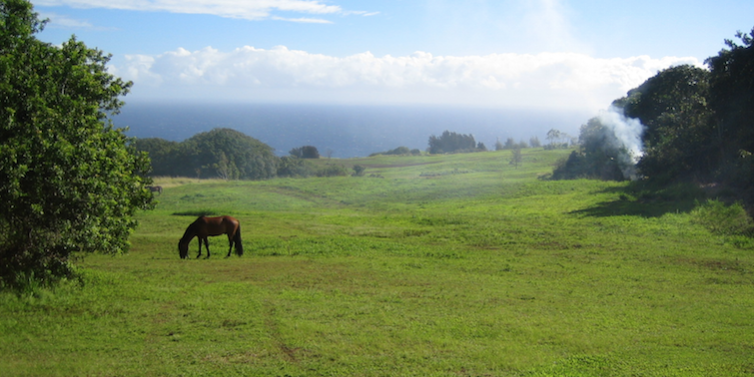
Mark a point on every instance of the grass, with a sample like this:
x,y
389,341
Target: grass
x,y
455,265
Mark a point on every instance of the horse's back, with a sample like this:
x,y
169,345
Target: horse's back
x,y
216,226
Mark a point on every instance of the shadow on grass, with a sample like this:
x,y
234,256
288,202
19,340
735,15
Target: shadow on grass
x,y
646,200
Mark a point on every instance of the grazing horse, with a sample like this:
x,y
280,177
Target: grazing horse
x,y
155,188
205,227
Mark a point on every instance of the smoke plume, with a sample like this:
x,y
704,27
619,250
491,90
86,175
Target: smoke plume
x,y
623,135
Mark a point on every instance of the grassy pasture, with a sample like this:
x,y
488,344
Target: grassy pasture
x,y
457,265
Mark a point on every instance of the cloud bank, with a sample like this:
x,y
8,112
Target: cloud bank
x,y
242,9
556,80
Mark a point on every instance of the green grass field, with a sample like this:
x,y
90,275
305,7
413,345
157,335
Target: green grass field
x,y
453,265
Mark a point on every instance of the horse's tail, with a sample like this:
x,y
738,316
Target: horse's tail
x,y
237,241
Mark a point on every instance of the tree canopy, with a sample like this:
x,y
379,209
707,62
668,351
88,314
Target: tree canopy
x,y
698,123
673,107
69,181
219,153
451,142
307,151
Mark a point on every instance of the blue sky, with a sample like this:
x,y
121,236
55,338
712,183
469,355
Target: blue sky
x,y
505,53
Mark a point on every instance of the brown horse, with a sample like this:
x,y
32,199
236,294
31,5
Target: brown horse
x,y
205,227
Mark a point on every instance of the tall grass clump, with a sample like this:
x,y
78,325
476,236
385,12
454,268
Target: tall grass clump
x,y
722,219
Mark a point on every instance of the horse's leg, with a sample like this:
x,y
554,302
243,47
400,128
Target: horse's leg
x,y
200,247
206,246
230,243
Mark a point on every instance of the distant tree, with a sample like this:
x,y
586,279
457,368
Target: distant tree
x,y
307,151
510,143
451,142
558,139
247,157
516,157
222,152
358,170
399,151
69,181
523,144
331,170
534,142
600,155
225,168
165,156
290,166
481,147
499,145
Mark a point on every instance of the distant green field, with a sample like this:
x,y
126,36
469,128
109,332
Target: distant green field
x,y
452,265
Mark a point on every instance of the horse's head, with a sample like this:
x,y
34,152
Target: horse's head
x,y
183,249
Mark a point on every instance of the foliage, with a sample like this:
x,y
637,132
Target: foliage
x,y
331,170
451,142
499,145
516,158
673,107
290,166
223,153
358,170
166,156
307,151
732,102
599,155
534,142
721,219
400,151
558,140
69,181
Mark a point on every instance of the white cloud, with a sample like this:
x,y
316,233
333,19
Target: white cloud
x,y
545,79
243,9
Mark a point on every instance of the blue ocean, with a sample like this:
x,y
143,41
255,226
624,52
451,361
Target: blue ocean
x,y
345,131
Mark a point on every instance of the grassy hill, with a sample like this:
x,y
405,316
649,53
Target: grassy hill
x,y
452,265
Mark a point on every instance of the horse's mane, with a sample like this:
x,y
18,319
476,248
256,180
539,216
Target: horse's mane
x,y
191,230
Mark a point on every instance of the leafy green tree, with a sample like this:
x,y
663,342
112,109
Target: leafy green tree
x,y
516,157
732,101
499,145
510,143
678,139
307,151
534,142
223,152
70,182
166,156
358,170
290,166
558,139
598,156
451,142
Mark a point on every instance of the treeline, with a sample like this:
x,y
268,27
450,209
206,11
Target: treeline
x,y
698,125
220,153
228,154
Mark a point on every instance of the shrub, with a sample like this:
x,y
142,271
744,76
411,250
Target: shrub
x,y
331,171
723,220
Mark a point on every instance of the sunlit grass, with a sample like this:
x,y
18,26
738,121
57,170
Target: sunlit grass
x,y
457,265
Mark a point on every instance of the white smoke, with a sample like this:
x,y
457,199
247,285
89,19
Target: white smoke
x,y
623,134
